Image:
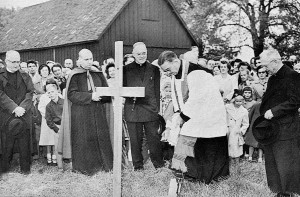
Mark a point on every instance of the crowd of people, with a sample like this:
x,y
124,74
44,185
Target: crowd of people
x,y
200,115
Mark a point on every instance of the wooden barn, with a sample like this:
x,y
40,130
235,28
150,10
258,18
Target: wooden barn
x,y
59,29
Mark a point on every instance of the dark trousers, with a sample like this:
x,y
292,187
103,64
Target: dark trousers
x,y
23,143
136,133
283,165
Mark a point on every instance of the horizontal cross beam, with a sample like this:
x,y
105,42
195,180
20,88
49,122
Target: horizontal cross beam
x,y
121,91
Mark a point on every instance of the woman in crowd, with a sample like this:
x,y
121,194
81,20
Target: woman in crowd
x,y
226,82
216,70
259,87
44,74
244,79
110,73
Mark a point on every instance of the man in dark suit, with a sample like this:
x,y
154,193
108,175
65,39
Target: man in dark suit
x,y
280,103
141,114
16,91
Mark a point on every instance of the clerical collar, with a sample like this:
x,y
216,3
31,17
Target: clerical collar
x,y
179,74
279,72
140,64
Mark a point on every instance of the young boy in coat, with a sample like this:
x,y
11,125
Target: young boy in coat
x,y
53,115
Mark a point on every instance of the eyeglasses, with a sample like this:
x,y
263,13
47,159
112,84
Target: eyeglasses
x,y
14,62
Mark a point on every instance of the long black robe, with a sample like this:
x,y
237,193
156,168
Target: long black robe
x,y
90,138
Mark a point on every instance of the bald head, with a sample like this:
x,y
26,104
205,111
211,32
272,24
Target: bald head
x,y
84,52
85,59
12,55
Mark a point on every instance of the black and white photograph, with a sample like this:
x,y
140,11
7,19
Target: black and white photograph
x,y
150,98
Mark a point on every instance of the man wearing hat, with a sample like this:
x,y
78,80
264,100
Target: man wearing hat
x,y
281,142
16,91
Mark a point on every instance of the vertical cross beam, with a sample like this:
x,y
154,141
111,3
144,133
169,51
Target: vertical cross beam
x,y
117,187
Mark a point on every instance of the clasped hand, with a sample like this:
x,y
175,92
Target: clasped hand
x,y
19,111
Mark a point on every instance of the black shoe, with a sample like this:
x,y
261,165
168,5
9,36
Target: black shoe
x,y
178,174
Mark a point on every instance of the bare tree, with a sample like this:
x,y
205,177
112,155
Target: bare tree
x,y
261,20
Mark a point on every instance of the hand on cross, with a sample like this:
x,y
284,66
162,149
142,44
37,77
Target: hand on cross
x,y
96,96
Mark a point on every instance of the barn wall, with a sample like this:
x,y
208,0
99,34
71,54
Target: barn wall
x,y
150,21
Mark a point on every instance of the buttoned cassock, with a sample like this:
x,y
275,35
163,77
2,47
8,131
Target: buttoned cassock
x,y
13,93
283,156
142,113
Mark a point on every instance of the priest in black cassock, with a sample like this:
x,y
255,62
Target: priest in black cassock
x,y
141,114
84,136
280,104
16,92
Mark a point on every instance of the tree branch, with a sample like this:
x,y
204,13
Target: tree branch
x,y
236,24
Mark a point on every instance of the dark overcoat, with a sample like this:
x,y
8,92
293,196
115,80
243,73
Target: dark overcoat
x,y
144,109
283,156
283,98
11,97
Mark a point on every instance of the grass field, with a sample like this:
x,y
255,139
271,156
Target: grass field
x,y
49,181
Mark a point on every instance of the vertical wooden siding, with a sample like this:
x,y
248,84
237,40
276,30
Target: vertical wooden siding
x,y
149,21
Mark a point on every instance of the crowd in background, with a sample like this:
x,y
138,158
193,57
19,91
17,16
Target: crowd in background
x,y
241,86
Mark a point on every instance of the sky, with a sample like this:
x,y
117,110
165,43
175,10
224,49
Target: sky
x,y
19,3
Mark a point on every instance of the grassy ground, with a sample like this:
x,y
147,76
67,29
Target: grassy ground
x,y
49,181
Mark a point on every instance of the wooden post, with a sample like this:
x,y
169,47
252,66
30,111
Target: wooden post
x,y
118,92
117,190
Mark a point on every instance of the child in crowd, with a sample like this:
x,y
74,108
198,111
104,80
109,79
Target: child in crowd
x,y
238,122
47,137
53,115
248,103
170,135
248,96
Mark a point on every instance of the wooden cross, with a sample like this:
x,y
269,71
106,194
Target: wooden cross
x,y
118,92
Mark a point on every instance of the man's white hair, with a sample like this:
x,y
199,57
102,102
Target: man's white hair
x,y
270,54
138,44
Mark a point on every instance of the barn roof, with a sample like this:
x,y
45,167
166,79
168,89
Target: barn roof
x,y
61,22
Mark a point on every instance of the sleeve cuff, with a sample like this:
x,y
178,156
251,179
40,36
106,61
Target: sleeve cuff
x,y
184,117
